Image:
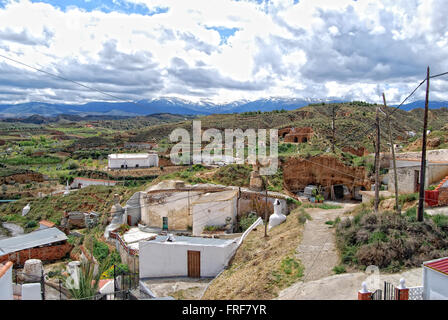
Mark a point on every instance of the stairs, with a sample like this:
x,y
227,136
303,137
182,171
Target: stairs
x,y
442,182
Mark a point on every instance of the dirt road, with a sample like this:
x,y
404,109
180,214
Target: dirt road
x,y
317,250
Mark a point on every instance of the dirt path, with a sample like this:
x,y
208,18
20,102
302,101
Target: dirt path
x,y
317,250
346,286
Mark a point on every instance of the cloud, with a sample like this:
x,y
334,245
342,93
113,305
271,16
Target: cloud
x,y
231,50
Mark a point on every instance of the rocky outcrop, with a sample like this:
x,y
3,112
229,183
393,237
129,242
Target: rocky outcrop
x,y
357,152
25,177
324,171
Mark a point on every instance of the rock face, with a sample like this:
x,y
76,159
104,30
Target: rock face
x,y
297,135
324,171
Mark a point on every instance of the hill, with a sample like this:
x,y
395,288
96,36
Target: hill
x,y
354,123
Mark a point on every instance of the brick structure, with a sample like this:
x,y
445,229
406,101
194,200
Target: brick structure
x,y
439,196
401,292
47,253
296,135
47,245
364,294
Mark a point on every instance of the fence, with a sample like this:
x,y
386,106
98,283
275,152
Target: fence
x,y
415,293
116,235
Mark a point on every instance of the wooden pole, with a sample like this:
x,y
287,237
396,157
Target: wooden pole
x,y
397,204
333,140
421,197
377,161
266,207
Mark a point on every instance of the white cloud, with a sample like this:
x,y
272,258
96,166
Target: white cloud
x,y
312,48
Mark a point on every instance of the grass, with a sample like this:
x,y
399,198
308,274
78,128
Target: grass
x,y
262,266
324,206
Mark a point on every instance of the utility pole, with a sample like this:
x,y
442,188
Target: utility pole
x,y
397,205
266,208
333,127
421,197
377,161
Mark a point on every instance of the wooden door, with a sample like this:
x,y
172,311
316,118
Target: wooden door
x,y
194,264
416,181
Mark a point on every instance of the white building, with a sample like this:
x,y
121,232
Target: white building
x,y
214,209
6,288
80,182
132,160
184,256
435,279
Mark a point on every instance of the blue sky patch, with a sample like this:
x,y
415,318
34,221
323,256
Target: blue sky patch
x,y
224,33
106,6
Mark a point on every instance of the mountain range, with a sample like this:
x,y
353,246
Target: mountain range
x,y
168,105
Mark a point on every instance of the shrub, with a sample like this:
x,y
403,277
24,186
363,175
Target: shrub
x,y
247,221
31,224
339,269
100,251
303,216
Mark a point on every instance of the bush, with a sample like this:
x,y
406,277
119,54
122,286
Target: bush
x,y
72,165
31,224
391,241
100,251
247,221
339,269
303,216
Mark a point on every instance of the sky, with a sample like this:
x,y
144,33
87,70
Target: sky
x,y
221,51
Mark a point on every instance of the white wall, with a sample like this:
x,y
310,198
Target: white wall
x,y
31,291
435,285
6,290
170,259
86,183
151,161
213,214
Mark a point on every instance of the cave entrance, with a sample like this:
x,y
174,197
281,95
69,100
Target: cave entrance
x,y
338,191
305,140
296,139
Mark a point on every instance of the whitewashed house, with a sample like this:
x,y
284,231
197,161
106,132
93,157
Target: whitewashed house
x,y
184,256
132,160
6,288
80,182
435,279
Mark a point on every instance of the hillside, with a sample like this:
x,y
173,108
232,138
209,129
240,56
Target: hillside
x,y
354,123
262,266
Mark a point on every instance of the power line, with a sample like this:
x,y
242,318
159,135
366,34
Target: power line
x,y
69,80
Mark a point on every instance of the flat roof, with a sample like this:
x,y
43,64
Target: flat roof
x,y
131,155
194,241
31,240
440,265
94,180
415,163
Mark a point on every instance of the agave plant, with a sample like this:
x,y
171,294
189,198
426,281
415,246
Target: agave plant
x,y
88,279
